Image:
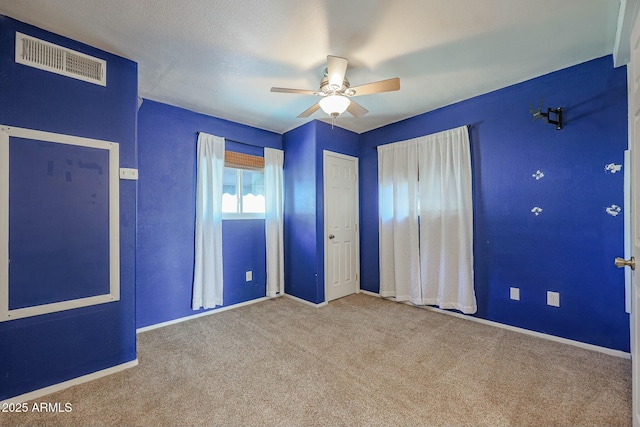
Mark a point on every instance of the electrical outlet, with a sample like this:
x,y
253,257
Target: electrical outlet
x,y
553,298
514,293
249,276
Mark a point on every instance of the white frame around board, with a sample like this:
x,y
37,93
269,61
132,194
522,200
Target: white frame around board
x,y
6,132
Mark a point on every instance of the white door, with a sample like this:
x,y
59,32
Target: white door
x,y
341,240
633,82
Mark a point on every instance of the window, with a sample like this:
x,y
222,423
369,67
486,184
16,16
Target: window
x,y
243,187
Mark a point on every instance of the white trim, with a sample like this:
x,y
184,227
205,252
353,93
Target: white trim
x,y
373,294
622,45
626,212
70,383
228,216
304,301
4,223
205,313
114,222
57,137
339,155
605,350
325,154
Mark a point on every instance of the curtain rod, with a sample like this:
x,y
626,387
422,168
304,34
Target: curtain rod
x,y
237,142
375,147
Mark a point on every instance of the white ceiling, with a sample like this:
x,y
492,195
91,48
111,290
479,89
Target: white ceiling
x,y
221,57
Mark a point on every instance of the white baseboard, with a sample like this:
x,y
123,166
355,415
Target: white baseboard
x,y
580,344
322,304
204,313
373,294
70,383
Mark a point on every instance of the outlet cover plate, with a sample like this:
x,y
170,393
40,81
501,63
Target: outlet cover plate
x,y
553,298
514,294
249,276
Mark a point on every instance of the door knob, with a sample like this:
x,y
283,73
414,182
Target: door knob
x,y
331,236
621,262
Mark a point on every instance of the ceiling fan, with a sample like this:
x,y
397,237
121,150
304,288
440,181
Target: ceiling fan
x,y
336,91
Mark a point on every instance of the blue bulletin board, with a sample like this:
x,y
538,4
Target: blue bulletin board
x,y
59,228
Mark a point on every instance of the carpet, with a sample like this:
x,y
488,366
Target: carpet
x,y
359,361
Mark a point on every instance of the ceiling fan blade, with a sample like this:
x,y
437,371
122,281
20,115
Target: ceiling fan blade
x,y
336,69
297,91
388,85
309,111
356,109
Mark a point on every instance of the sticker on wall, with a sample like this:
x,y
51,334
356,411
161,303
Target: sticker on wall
x,y
612,168
614,210
538,175
536,210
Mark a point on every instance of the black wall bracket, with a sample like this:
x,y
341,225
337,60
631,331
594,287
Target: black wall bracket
x,y
557,119
552,116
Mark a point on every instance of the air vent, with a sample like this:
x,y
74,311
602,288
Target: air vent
x,y
56,59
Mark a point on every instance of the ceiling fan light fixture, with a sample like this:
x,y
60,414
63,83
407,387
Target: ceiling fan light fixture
x,y
334,105
335,91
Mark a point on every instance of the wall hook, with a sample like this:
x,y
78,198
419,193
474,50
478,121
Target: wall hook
x,y
556,119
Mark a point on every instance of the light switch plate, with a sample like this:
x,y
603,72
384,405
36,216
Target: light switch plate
x,y
128,173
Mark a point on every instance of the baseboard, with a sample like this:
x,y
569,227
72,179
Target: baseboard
x,y
205,313
373,294
605,350
303,301
70,383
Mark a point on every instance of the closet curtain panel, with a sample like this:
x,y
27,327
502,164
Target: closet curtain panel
x,y
446,220
398,221
207,275
274,206
426,221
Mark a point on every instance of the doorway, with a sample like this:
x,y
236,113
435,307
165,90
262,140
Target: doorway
x,y
341,217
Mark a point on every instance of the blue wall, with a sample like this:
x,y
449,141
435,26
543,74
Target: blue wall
x,y
43,350
570,246
300,216
167,139
304,204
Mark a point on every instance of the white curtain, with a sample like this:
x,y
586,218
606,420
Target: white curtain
x,y
273,225
207,275
398,222
445,231
446,220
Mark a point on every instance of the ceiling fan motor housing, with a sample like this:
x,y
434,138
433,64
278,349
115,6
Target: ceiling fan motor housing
x,y
336,91
326,89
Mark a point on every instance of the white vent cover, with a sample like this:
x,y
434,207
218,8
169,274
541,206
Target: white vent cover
x,y
56,59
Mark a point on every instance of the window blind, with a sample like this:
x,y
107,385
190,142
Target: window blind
x,y
243,161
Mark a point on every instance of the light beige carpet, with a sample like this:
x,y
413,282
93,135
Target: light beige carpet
x,y
360,360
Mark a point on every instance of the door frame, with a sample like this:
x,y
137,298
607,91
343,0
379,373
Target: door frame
x,y
633,234
325,154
